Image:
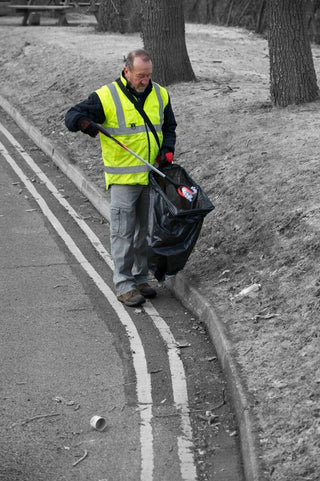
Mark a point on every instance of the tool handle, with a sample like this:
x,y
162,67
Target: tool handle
x,y
104,131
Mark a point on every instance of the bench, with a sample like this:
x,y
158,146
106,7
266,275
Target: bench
x,y
59,10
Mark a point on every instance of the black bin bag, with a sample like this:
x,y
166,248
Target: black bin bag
x,y
174,222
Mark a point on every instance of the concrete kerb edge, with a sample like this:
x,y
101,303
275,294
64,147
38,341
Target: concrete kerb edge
x,y
246,421
187,294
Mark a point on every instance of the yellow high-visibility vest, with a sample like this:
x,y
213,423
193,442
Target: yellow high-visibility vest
x,y
124,122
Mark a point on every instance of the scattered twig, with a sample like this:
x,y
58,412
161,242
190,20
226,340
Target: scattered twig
x,y
247,351
34,418
81,459
266,317
155,371
115,8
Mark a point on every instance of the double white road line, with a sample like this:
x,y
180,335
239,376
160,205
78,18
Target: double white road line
x,y
143,379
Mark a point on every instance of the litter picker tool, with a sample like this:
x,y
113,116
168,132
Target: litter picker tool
x,y
183,190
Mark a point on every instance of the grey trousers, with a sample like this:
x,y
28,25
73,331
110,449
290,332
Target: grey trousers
x,y
129,209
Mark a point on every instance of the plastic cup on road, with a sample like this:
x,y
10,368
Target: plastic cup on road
x,y
98,423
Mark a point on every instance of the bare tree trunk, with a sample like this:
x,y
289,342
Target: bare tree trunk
x,y
292,75
163,34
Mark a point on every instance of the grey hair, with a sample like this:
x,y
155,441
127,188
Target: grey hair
x,y
145,57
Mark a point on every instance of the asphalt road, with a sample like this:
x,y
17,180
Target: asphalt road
x,y
70,350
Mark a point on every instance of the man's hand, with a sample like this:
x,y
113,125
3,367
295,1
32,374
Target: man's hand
x,y
87,127
164,159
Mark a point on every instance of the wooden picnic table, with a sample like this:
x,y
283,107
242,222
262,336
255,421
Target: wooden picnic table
x,y
54,6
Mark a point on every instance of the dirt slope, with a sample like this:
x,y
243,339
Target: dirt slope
x,y
260,168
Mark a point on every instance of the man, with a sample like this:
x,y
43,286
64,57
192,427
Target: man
x,y
153,138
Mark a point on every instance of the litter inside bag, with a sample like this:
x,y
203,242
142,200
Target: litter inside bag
x,y
174,222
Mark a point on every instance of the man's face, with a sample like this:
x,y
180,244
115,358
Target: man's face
x,y
138,78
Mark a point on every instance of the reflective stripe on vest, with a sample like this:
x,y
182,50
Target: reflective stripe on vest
x,y
123,129
135,169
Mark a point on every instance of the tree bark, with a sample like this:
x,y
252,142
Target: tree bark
x,y
163,34
292,75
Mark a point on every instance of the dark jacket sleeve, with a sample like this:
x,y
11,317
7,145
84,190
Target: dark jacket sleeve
x,y
90,109
169,129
